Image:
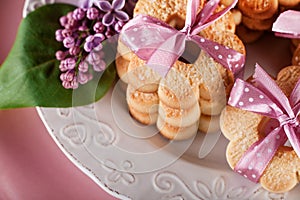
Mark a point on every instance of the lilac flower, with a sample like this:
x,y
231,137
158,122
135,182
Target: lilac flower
x,y
83,66
59,36
99,27
112,11
83,78
60,55
67,64
93,41
75,50
78,14
69,42
94,58
66,33
100,66
92,13
63,20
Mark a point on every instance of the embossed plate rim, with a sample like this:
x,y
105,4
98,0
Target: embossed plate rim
x,y
173,170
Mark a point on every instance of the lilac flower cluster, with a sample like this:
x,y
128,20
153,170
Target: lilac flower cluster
x,y
83,32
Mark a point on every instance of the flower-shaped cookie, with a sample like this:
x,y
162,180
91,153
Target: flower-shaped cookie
x,y
263,118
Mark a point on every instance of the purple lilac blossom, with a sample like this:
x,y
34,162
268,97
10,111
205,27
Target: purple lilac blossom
x,y
82,33
112,11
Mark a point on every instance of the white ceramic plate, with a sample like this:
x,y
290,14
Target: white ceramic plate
x,y
131,161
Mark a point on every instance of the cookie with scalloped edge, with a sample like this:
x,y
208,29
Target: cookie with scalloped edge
x,y
243,128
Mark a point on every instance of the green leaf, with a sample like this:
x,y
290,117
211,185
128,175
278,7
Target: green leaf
x,y
30,75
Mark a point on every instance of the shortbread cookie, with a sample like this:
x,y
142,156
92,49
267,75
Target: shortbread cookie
x,y
164,10
258,24
179,117
209,124
142,101
258,9
243,128
143,117
122,67
213,106
179,89
237,16
175,132
226,2
289,3
142,77
247,35
123,50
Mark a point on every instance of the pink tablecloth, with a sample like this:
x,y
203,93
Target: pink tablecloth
x,y
31,166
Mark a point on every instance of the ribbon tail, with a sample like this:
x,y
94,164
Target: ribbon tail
x,y
191,12
167,54
257,157
265,83
287,24
229,58
209,18
293,138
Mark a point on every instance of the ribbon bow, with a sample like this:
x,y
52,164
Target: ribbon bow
x,y
267,99
287,24
161,45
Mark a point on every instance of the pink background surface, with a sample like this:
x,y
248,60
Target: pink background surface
x,y
32,167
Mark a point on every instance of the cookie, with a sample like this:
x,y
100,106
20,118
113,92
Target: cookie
x,y
258,24
213,106
142,77
179,117
141,101
243,128
237,16
122,67
289,3
123,50
209,124
179,89
143,117
164,10
175,132
247,35
258,9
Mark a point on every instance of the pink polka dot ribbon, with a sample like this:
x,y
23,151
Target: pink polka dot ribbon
x,y
287,24
264,97
161,45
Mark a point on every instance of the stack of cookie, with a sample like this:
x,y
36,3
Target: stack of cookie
x,y
192,94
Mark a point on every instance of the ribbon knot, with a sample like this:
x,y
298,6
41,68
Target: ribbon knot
x,y
285,119
160,45
270,101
